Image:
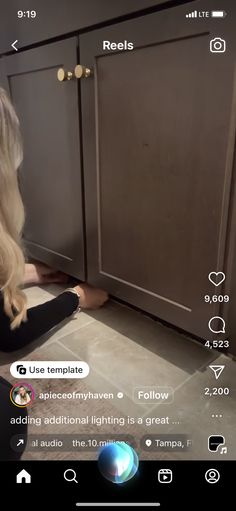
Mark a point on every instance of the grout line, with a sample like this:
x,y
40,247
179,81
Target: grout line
x,y
103,377
51,340
149,410
69,350
183,383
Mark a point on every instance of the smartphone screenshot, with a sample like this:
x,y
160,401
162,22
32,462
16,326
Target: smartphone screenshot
x,y
117,254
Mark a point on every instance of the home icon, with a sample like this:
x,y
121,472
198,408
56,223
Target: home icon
x,y
23,477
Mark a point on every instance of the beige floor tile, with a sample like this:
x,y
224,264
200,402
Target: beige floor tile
x,y
194,410
126,349
99,382
37,295
128,363
174,347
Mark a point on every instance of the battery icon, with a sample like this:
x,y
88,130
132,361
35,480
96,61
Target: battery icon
x,y
218,14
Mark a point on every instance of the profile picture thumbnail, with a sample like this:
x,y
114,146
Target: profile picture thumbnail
x,y
22,394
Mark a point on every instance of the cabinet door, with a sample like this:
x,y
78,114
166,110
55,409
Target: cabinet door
x,y
50,177
158,144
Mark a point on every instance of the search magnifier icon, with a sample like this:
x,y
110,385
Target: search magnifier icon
x,y
70,475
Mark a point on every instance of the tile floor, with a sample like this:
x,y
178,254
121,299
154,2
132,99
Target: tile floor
x,y
126,350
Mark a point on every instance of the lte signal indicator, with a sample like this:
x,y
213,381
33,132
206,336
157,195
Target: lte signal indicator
x,y
192,14
206,14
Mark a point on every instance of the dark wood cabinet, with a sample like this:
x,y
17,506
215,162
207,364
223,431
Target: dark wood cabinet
x,y
50,177
135,161
158,144
58,17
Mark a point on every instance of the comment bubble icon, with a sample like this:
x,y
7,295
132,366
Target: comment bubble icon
x,y
217,325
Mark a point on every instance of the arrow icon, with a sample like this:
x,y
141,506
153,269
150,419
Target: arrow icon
x,y
217,370
20,442
13,45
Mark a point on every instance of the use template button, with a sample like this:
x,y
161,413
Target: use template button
x,y
49,369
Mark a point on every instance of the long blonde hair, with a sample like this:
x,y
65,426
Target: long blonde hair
x,y
12,262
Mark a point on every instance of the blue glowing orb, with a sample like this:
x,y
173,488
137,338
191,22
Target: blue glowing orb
x,y
118,462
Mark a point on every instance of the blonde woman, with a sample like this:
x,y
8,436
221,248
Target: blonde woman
x,y
19,326
22,397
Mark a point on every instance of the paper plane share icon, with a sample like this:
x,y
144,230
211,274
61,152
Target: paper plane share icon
x,y
217,370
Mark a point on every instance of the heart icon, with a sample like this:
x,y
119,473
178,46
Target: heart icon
x,y
216,277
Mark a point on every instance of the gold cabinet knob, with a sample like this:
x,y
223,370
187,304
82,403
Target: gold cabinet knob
x,y
63,75
82,71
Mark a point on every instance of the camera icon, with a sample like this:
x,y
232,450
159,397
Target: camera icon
x,y
217,45
21,369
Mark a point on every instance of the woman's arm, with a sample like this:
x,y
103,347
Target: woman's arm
x,y
40,320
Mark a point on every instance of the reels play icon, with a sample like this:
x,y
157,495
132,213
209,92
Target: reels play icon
x,y
165,475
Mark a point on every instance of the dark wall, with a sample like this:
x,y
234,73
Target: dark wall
x,y
57,17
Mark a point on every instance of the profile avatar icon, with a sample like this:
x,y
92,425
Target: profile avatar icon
x,y
212,476
118,462
22,394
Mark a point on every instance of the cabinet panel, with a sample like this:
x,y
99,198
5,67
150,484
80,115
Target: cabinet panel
x,y
50,177
157,171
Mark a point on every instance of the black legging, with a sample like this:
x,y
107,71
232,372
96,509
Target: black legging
x,y
7,430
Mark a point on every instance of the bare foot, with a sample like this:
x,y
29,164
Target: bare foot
x,y
40,273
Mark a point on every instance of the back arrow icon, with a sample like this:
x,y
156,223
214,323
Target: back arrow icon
x,y
13,45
